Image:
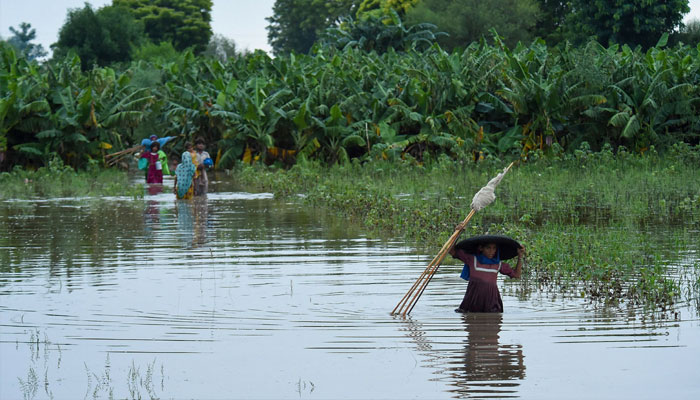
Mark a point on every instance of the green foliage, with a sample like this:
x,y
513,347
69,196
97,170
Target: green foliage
x,y
380,34
21,41
382,8
584,235
184,23
62,111
295,25
551,23
58,180
631,22
337,105
100,37
689,33
468,21
161,53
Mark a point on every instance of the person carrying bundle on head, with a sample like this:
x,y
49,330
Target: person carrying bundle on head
x,y
153,165
483,260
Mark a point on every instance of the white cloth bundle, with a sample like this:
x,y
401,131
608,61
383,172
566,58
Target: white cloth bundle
x,y
486,195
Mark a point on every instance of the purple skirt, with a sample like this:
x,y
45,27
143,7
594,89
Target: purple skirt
x,y
481,297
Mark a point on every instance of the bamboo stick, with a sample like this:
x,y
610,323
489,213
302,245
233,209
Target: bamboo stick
x,y
125,151
441,256
113,158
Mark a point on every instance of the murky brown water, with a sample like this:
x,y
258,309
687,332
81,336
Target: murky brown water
x,y
242,296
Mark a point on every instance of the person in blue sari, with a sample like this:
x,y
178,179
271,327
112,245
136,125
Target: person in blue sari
x,y
184,177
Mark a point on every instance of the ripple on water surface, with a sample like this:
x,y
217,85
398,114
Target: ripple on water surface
x,y
240,295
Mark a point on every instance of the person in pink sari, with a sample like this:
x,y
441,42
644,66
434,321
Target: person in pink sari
x,y
155,168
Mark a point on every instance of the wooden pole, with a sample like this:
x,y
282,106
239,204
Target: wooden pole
x,y
114,158
441,256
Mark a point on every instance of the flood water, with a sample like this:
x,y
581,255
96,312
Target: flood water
x,y
243,296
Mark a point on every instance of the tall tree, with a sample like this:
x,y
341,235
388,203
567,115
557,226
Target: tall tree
x,y
22,41
221,48
99,37
184,23
553,15
380,8
296,24
632,22
468,20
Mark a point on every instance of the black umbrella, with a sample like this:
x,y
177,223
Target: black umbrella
x,y
507,247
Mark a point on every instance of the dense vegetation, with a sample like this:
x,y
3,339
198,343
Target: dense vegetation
x,y
340,104
295,25
600,225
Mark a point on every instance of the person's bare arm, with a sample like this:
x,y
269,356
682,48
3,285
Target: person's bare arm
x,y
519,266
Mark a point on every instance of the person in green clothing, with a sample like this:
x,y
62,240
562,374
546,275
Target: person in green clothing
x,y
163,158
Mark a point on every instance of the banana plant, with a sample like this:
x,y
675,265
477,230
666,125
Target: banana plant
x,y
262,106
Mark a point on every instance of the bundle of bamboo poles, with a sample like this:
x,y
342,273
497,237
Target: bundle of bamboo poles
x,y
481,199
112,159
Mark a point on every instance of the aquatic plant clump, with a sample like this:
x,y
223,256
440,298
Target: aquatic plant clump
x,y
594,223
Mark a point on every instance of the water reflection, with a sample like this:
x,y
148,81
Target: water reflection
x,y
192,221
154,189
151,216
479,366
487,367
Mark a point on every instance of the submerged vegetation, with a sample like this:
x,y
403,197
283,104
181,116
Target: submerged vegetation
x,y
59,180
586,218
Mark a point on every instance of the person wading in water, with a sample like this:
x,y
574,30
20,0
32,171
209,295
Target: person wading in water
x,y
482,257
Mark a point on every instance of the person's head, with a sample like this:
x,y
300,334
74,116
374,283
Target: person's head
x,y
199,143
153,137
489,249
189,147
155,146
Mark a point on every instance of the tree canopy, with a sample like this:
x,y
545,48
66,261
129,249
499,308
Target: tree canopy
x,y
380,33
22,41
296,24
468,20
633,22
552,19
184,23
382,8
99,37
221,48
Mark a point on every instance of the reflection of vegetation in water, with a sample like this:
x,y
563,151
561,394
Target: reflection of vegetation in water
x,y
595,224
66,236
58,180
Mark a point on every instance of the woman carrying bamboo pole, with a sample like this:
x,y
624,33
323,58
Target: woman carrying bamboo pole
x,y
483,260
484,197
